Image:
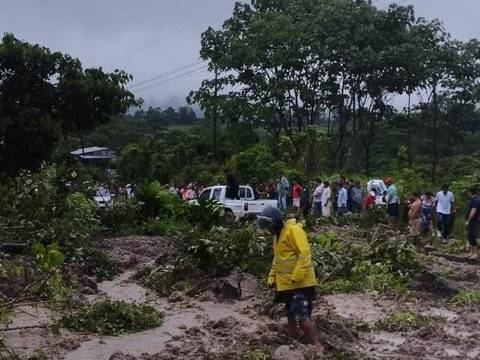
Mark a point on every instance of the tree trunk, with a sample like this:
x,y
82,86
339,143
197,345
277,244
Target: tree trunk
x,y
435,135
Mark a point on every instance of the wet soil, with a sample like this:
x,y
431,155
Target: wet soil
x,y
212,327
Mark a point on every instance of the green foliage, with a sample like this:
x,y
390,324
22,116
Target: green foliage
x,y
378,278
113,318
124,218
406,321
36,111
337,286
77,221
158,201
370,217
97,262
206,214
222,249
48,260
53,213
161,227
163,278
378,265
256,164
467,298
262,353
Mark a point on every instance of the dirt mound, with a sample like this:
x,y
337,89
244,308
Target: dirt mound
x,y
430,283
131,251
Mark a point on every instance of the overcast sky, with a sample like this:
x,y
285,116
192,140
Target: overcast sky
x,y
161,38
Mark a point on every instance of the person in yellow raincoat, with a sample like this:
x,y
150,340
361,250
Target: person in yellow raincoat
x,y
292,274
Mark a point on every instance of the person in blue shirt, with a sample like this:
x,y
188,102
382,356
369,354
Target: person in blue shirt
x,y
392,198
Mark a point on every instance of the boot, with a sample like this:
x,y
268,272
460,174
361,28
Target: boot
x,y
474,251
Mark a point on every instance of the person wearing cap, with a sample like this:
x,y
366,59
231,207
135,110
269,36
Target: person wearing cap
x,y
292,275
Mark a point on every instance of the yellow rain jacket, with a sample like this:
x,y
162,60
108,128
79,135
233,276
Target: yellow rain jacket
x,y
292,263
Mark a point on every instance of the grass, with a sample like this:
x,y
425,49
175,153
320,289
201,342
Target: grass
x,y
262,353
467,298
338,286
113,318
405,321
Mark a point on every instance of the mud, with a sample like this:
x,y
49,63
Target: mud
x,y
229,318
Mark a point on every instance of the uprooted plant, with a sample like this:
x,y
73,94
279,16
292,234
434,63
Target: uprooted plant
x,y
376,265
405,321
213,252
112,318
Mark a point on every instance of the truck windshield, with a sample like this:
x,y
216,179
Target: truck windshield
x,y
216,194
102,193
205,195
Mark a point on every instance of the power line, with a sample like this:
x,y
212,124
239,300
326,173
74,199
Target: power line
x,y
168,73
176,32
177,77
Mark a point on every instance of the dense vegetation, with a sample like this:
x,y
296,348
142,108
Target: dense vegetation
x,y
302,88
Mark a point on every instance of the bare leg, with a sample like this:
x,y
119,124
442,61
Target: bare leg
x,y
292,329
308,327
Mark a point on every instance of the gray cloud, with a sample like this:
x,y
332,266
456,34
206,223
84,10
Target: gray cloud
x,y
100,31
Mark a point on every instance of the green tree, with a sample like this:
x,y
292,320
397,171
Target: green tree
x,y
45,95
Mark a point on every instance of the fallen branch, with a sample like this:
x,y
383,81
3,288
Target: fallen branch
x,y
41,326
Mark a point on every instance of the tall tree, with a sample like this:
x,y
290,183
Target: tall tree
x,y
45,95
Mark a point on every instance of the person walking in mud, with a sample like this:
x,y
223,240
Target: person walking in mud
x,y
292,275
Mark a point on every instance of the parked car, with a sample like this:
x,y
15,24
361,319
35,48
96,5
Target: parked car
x,y
103,197
246,205
379,187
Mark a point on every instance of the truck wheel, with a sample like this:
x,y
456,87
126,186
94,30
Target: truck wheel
x,y
228,218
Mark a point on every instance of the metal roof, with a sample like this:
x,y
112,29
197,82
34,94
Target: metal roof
x,y
88,150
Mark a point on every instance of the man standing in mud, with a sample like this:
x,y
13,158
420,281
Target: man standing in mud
x,y
292,274
414,219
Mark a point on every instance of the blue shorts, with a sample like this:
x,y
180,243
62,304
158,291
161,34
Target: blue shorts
x,y
299,307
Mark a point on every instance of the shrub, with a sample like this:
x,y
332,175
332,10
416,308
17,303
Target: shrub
x,y
222,249
39,207
158,201
97,263
77,222
113,318
123,218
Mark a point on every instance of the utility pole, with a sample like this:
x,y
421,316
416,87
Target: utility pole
x,y
215,119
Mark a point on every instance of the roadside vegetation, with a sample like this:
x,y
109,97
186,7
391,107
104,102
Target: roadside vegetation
x,y
52,251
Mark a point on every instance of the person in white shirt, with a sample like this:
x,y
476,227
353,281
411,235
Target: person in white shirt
x,y
342,199
317,198
326,200
445,206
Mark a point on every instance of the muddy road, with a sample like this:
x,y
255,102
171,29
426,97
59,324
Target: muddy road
x,y
210,326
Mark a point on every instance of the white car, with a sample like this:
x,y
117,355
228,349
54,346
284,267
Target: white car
x,y
103,197
246,205
379,187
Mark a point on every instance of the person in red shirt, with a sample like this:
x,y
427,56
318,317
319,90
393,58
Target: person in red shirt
x,y
296,195
370,200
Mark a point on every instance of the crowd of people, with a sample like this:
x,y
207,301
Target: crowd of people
x,y
344,197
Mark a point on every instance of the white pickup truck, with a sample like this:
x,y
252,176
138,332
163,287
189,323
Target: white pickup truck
x,y
246,205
